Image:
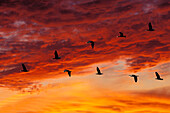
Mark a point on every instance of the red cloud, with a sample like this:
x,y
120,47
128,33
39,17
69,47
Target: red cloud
x,y
66,26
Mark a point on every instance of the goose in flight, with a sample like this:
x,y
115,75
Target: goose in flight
x,y
69,72
135,77
92,43
24,68
98,71
56,55
150,27
158,76
121,35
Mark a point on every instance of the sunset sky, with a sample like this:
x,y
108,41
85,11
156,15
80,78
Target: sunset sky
x,y
31,30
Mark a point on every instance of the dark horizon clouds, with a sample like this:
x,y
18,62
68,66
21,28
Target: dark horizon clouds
x,y
30,31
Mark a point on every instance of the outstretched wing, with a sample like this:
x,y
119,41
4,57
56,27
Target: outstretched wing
x,y
69,73
56,54
23,66
98,70
121,34
150,25
157,75
92,44
135,78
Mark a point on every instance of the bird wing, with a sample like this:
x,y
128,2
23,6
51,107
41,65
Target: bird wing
x,y
69,73
135,78
56,54
98,70
150,26
157,75
121,34
92,44
23,66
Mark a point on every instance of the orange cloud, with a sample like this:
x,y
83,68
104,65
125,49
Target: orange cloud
x,y
83,98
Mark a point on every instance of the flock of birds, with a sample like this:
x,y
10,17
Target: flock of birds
x,y
98,70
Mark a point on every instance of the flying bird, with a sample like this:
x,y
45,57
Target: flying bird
x,y
56,55
98,71
24,68
150,27
135,77
92,43
158,76
69,72
121,35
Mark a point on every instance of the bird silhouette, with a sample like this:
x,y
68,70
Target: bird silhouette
x,y
158,76
69,72
24,68
92,43
121,35
56,55
98,71
135,77
150,27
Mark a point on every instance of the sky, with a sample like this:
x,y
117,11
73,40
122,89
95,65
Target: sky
x,y
31,30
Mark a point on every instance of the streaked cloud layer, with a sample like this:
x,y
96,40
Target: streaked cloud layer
x,y
86,98
31,30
